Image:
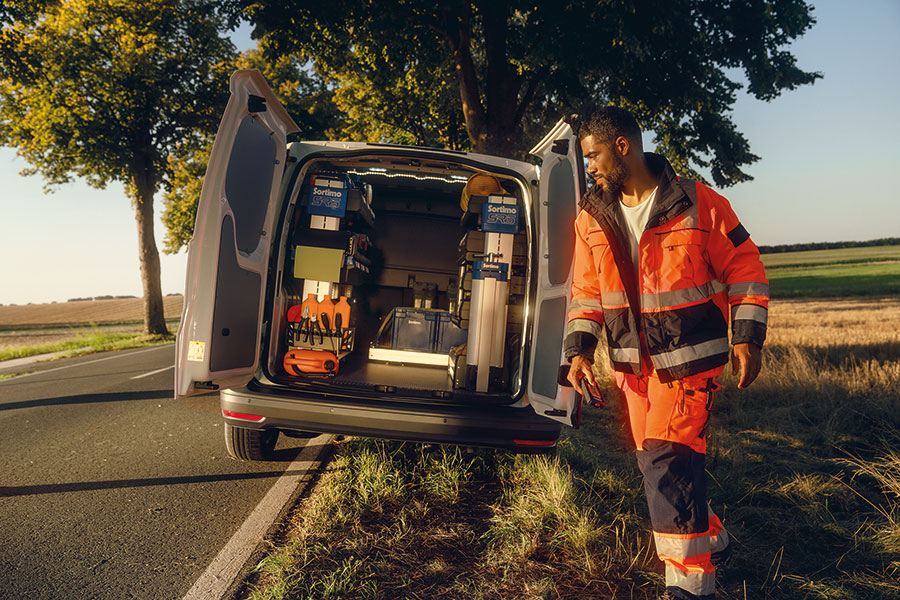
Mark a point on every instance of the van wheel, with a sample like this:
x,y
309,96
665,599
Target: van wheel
x,y
250,444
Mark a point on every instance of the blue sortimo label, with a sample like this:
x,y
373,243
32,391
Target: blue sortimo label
x,y
327,201
490,270
500,218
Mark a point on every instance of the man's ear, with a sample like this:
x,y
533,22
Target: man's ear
x,y
622,145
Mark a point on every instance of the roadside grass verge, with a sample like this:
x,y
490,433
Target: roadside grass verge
x,y
97,341
393,520
803,467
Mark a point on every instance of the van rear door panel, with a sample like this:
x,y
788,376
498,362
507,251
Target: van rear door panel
x,y
561,186
218,340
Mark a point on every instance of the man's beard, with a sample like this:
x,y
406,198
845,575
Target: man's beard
x,y
613,182
607,190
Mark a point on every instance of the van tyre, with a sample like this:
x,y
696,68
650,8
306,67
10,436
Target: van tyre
x,y
250,444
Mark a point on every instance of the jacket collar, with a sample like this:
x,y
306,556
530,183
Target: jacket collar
x,y
671,199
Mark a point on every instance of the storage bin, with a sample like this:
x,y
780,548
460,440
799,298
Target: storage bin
x,y
413,329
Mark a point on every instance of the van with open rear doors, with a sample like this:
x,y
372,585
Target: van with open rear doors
x,y
378,290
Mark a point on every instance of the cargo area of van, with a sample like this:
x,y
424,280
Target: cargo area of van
x,y
402,276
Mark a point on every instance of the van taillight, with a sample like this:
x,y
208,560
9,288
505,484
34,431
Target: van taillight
x,y
242,416
534,442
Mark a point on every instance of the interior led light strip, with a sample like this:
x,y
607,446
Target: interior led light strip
x,y
384,173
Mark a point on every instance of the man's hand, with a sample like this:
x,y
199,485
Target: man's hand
x,y
746,358
581,367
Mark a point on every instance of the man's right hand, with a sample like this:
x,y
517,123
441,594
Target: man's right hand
x,y
581,367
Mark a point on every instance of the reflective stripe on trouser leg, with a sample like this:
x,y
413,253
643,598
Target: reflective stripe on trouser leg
x,y
718,537
688,568
675,484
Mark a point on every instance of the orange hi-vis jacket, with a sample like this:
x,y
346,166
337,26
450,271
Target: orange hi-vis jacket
x,y
697,267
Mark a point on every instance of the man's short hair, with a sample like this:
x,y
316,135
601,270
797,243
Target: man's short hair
x,y
608,123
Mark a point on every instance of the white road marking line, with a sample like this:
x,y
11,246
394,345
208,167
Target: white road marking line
x,y
90,362
153,372
228,563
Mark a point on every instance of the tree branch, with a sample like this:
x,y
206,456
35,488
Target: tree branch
x,y
530,91
457,31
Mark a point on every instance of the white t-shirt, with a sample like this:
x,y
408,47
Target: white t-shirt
x,y
636,218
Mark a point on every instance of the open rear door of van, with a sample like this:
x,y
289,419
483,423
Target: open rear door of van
x,y
218,340
561,186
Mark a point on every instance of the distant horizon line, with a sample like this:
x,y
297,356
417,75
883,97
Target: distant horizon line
x,y
764,249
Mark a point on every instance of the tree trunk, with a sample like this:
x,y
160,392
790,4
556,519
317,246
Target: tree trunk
x,y
491,125
154,313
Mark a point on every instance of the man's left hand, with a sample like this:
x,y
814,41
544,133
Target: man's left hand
x,y
746,359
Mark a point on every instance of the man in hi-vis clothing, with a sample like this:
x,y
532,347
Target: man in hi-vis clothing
x,y
663,264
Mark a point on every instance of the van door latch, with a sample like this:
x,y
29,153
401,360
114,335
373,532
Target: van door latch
x,y
556,412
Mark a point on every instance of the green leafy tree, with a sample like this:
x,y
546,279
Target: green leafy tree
x,y
106,90
514,67
403,100
302,93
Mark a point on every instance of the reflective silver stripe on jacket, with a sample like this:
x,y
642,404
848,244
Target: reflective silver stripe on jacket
x,y
585,325
749,312
681,548
585,304
614,299
748,288
684,296
694,582
625,355
674,358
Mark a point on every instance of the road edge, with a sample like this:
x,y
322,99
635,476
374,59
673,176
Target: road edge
x,y
224,576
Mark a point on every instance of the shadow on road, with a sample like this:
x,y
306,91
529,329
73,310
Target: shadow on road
x,y
89,399
287,454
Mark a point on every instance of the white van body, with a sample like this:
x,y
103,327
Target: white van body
x,y
246,271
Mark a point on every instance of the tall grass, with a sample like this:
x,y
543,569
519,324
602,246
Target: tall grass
x,y
804,467
386,519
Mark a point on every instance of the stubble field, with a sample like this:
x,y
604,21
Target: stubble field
x,y
31,329
86,312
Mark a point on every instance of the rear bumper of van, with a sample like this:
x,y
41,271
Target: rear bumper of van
x,y
517,429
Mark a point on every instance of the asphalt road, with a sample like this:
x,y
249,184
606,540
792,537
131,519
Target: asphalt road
x,y
110,488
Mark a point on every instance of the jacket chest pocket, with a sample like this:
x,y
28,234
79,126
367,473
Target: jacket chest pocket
x,y
681,258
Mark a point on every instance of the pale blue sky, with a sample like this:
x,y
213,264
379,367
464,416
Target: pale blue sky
x,y
829,153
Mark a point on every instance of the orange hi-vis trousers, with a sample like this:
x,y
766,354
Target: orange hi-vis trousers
x,y
668,422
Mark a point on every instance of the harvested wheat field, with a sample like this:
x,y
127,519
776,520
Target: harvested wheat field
x,y
120,310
